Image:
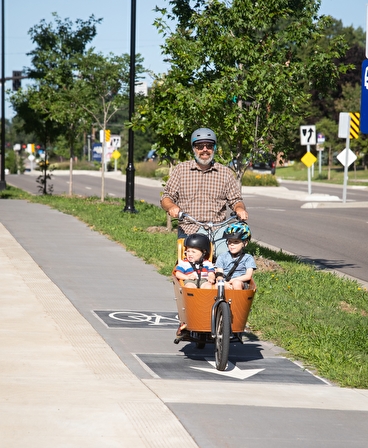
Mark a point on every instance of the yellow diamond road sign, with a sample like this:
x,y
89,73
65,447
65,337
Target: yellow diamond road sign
x,y
115,154
308,159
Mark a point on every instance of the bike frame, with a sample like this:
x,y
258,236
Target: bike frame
x,y
219,298
209,227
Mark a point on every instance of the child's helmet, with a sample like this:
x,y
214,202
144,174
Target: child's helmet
x,y
238,231
200,242
203,135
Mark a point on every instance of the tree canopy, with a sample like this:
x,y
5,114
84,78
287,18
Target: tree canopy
x,y
243,68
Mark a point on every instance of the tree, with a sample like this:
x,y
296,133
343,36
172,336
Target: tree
x,y
235,67
101,89
33,122
53,71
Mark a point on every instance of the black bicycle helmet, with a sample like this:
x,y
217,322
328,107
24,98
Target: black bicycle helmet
x,y
203,135
200,242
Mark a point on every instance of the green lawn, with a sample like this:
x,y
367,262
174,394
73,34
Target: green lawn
x,y
299,171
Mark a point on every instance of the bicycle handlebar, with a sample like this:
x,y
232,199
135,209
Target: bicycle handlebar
x,y
209,225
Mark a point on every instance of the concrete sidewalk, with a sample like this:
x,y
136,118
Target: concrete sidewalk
x,y
61,385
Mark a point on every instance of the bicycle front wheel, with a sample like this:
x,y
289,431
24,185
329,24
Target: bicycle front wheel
x,y
222,341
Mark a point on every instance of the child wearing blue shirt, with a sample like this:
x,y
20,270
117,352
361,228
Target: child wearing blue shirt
x,y
235,266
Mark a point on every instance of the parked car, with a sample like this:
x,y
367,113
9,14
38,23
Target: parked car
x,y
264,163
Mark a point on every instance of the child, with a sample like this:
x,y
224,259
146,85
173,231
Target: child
x,y
235,265
195,269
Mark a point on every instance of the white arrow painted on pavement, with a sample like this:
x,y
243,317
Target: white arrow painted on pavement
x,y
231,370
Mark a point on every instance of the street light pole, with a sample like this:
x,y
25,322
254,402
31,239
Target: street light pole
x,y
129,194
2,155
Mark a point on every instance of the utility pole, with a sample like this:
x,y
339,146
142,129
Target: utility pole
x,y
2,151
129,184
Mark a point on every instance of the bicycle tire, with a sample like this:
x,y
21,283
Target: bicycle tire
x,y
223,330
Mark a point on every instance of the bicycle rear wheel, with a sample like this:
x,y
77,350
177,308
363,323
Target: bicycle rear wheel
x,y
222,341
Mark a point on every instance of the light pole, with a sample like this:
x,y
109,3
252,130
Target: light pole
x,y
129,184
2,156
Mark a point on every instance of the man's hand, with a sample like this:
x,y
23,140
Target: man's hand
x,y
242,214
171,208
174,211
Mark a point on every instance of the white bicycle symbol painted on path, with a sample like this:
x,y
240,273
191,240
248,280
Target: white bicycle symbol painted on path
x,y
151,319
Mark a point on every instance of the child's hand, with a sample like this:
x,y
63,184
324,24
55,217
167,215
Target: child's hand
x,y
211,277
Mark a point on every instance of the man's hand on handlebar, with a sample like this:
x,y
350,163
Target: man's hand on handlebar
x,y
242,215
174,211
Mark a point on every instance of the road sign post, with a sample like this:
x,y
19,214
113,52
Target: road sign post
x,y
344,132
307,138
320,148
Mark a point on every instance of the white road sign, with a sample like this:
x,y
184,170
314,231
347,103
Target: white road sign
x,y
307,135
342,157
115,141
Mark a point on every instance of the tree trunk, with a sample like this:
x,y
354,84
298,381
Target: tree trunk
x,y
168,222
45,175
71,170
103,165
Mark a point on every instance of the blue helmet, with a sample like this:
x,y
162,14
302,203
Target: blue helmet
x,y
238,231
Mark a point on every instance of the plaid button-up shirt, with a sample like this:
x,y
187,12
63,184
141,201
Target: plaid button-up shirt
x,y
202,194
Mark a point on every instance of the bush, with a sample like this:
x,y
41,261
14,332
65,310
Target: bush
x,y
162,171
146,169
79,165
251,179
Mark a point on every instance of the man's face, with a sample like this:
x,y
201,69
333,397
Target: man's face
x,y
204,152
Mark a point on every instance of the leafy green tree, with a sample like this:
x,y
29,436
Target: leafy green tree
x,y
31,122
53,71
101,89
235,67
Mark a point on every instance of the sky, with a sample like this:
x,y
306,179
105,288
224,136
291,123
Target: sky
x,y
113,35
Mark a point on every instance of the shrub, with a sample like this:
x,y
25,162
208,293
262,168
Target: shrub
x,y
251,179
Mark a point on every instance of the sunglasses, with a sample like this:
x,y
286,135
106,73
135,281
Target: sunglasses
x,y
201,146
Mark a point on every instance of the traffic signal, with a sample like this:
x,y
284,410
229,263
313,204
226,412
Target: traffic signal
x,y
17,84
107,135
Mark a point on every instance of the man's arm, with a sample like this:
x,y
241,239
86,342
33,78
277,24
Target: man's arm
x,y
170,207
240,210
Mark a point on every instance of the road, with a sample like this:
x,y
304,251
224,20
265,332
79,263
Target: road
x,y
333,237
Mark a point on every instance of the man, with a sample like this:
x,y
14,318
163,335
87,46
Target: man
x,y
203,188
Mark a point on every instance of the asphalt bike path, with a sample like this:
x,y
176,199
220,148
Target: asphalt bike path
x,y
88,358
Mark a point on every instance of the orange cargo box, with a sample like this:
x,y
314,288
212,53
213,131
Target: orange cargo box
x,y
195,305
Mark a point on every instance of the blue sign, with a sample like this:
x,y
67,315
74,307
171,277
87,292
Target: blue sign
x,y
364,99
97,152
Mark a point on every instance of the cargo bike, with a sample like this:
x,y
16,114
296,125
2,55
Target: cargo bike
x,y
215,315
